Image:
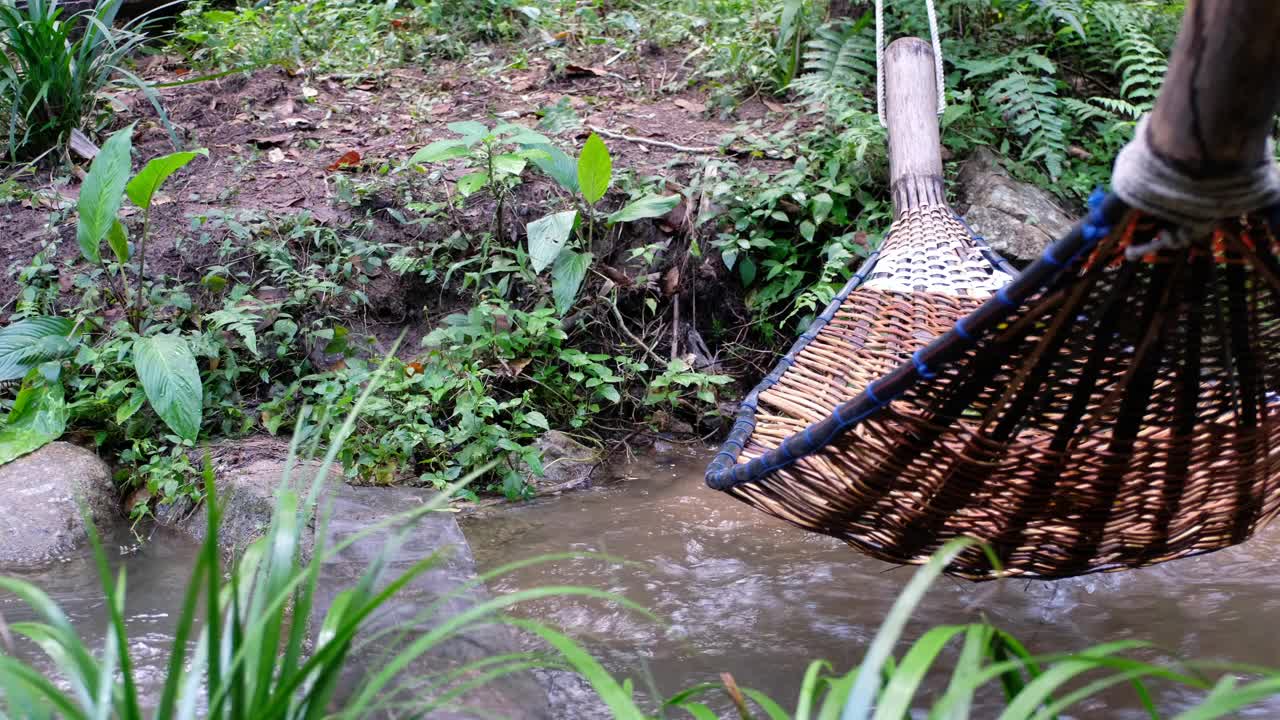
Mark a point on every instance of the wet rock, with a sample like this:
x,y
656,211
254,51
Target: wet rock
x,y
442,592
41,495
571,696
566,463
1017,219
249,474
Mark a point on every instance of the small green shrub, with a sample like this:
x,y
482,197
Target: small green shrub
x,y
53,68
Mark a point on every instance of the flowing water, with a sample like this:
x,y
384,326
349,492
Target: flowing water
x,y
156,574
744,593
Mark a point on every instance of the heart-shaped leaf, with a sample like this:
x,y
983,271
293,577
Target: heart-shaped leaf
x,y
27,343
102,193
169,376
547,237
595,169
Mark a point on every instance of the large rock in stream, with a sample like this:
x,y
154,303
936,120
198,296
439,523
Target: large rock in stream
x,y
1018,220
42,496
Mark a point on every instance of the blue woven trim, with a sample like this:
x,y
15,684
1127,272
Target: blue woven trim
x,y
726,460
921,367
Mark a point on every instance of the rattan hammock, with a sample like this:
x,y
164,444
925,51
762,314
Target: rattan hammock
x,y
1113,406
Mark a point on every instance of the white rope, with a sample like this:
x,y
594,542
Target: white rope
x,y
939,79
1149,182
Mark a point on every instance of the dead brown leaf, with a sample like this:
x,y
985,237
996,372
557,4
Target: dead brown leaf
x,y
671,281
690,105
775,107
348,159
572,70
271,140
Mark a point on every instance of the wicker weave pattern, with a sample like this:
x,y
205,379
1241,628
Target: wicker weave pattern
x,y
1126,418
928,250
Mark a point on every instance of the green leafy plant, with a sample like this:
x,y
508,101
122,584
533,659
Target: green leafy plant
x,y
35,347
53,68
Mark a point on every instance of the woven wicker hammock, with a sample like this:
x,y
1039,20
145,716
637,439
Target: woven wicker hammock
x,y
1113,406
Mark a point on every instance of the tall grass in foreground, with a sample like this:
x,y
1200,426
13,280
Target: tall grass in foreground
x,y
54,67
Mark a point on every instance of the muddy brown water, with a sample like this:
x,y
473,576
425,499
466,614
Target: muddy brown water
x,y
743,593
156,573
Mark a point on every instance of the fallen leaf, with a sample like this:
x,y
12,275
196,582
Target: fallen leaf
x,y
617,276
671,281
774,106
572,70
275,155
348,159
310,92
1078,152
690,105
285,108
413,368
271,140
521,85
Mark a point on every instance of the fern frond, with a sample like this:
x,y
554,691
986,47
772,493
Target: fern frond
x,y
1069,12
1031,107
841,57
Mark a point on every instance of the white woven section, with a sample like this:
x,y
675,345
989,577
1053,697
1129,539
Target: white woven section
x,y
1148,182
929,250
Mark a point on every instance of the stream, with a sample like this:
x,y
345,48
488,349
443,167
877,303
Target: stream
x,y
740,592
156,573
744,593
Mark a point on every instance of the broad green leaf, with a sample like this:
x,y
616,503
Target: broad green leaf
x,y
102,193
39,416
547,237
439,151
566,278
142,188
521,135
27,343
470,130
169,375
118,239
558,165
822,204
469,184
537,420
595,169
509,164
131,407
649,206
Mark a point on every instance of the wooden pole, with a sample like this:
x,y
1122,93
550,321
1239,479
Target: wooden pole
x,y
911,111
1221,93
